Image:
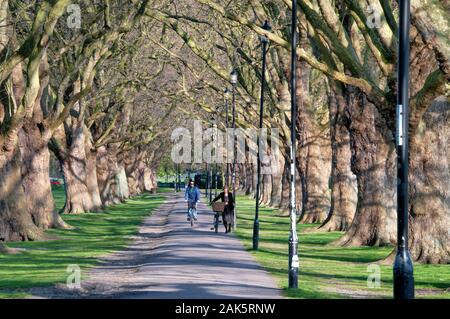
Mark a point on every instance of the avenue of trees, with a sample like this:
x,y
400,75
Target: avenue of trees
x,y
75,81
104,96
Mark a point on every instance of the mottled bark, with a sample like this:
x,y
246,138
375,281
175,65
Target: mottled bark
x,y
36,177
285,180
277,176
91,177
106,167
111,176
135,171
312,162
374,164
15,218
153,182
78,197
343,181
122,185
430,186
249,172
35,155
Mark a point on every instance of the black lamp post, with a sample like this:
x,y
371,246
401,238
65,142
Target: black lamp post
x,y
178,178
403,267
227,173
216,131
233,81
264,42
207,181
211,167
293,239
210,182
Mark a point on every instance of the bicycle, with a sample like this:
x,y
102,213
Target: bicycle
x,y
191,214
217,208
216,222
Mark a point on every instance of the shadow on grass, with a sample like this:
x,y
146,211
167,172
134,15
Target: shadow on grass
x,y
44,263
346,267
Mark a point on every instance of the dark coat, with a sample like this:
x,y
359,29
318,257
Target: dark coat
x,y
228,213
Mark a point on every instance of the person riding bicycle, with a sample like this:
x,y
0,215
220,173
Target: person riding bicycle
x,y
192,196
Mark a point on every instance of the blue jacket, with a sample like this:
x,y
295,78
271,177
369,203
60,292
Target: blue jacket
x,y
192,194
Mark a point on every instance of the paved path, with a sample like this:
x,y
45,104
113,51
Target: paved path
x,y
169,259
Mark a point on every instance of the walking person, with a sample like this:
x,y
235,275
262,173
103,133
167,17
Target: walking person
x,y
192,196
228,212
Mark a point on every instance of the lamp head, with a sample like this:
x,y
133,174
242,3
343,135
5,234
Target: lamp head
x,y
233,77
266,26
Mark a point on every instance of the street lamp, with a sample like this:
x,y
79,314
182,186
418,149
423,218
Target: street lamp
x,y
210,182
207,181
233,81
293,240
178,178
211,167
264,42
216,149
227,173
403,267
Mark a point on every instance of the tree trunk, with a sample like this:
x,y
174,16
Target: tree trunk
x,y
249,179
285,181
91,177
15,219
78,197
313,167
148,182
430,186
277,189
267,189
154,179
343,181
105,176
374,164
122,190
36,177
134,169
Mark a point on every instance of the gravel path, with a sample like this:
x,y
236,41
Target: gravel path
x,y
169,259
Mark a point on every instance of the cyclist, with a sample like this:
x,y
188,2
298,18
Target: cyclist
x,y
192,196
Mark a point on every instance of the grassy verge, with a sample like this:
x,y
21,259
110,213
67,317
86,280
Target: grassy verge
x,y
325,271
165,190
44,263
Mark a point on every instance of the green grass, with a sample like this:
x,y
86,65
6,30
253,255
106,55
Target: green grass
x,y
326,271
44,263
160,190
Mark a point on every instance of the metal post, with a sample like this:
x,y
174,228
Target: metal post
x,y
216,130
403,267
207,181
264,42
210,182
178,178
227,174
233,182
293,240
216,181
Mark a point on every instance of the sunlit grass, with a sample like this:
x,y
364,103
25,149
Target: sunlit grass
x,y
44,263
327,271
